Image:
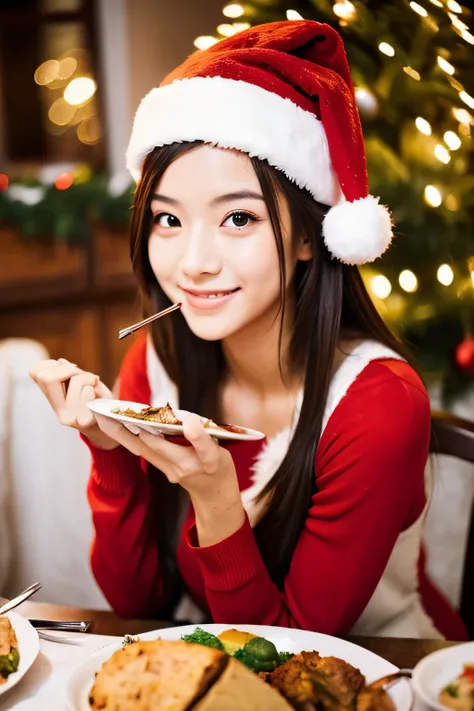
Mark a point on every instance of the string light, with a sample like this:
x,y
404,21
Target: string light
x,y
293,15
437,3
63,181
205,41
412,73
344,9
80,90
467,98
452,140
408,281
445,65
457,23
433,196
418,9
423,126
467,37
472,278
463,116
233,10
441,153
445,275
454,6
387,49
3,181
380,286
451,202
227,30
241,26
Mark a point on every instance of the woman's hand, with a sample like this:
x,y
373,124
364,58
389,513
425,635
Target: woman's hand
x,y
204,469
68,389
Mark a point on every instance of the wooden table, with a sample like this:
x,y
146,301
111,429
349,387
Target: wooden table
x,y
404,653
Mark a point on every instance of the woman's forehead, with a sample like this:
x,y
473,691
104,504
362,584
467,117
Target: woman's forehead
x,y
206,168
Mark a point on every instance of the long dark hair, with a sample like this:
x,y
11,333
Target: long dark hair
x,y
331,303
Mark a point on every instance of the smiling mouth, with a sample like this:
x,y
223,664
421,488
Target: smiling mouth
x,y
211,294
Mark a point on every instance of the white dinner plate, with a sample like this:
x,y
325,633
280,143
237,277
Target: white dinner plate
x,y
285,640
28,646
439,669
103,406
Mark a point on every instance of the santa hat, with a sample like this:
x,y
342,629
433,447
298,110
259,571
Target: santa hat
x,y
282,92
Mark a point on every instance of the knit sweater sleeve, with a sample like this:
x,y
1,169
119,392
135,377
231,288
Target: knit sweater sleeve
x,y
370,486
124,555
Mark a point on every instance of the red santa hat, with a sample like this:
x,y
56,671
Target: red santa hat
x,y
283,92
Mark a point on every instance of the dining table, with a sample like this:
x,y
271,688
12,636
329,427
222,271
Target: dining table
x,y
42,688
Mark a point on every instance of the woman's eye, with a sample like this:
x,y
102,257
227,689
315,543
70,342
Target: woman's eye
x,y
164,219
239,220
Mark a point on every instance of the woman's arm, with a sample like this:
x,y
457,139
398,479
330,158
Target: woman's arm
x,y
370,480
124,554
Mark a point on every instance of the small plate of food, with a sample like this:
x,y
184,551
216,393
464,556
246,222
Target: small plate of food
x,y
445,679
19,647
164,420
217,668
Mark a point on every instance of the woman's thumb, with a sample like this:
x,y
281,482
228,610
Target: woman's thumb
x,y
102,390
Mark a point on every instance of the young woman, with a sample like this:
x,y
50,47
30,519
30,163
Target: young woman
x,y
252,209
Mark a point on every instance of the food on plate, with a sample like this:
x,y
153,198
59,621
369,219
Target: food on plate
x,y
459,694
200,636
164,415
233,640
176,676
9,654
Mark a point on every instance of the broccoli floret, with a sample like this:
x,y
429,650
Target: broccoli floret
x,y
200,636
284,656
9,662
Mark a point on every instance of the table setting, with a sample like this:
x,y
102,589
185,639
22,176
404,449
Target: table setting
x,y
62,648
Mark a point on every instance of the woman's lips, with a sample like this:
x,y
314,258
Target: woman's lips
x,y
208,300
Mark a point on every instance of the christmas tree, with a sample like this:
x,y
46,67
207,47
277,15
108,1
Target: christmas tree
x,y
413,68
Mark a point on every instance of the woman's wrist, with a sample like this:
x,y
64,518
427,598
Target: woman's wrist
x,y
217,517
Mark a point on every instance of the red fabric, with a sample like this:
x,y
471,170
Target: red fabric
x,y
303,61
368,490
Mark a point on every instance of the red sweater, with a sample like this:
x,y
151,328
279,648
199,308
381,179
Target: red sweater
x,y
353,523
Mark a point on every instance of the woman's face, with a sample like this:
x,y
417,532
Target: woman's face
x,y
212,245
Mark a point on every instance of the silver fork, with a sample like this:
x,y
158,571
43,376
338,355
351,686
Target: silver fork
x,y
14,602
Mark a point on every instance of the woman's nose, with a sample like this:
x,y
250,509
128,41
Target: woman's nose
x,y
200,255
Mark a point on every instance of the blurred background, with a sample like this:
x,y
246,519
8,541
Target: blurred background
x,y
72,73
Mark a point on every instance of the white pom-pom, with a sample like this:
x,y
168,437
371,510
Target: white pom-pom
x,y
358,232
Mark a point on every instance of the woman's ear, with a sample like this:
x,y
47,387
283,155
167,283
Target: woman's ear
x,y
304,253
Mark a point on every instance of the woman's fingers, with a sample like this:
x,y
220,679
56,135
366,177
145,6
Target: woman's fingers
x,y
51,379
207,450
102,390
75,412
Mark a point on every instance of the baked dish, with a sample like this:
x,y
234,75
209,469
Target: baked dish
x,y
459,694
9,654
233,672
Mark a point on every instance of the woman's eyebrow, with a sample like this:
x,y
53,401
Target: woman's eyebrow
x,y
163,198
228,197
240,195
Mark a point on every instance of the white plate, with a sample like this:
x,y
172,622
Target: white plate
x,y
439,669
105,407
28,645
285,640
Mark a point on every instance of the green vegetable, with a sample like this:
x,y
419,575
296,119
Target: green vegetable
x,y
259,655
200,636
452,690
284,656
9,662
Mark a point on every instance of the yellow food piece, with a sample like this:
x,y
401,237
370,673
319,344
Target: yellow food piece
x,y
233,640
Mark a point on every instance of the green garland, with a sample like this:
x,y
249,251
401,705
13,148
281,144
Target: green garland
x,y
63,215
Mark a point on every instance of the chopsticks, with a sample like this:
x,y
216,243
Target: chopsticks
x,y
131,329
